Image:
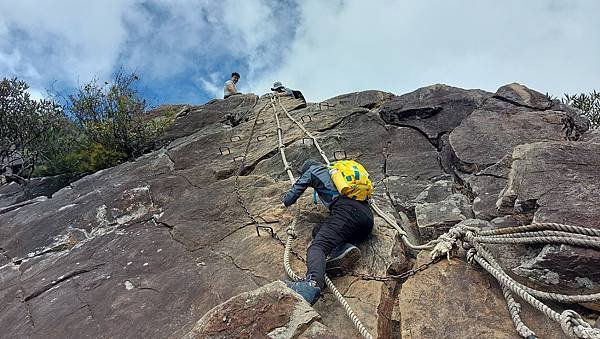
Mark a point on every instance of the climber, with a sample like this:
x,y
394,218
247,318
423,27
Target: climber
x,y
230,88
348,221
281,90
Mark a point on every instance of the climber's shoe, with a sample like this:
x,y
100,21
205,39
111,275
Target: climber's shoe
x,y
307,288
342,259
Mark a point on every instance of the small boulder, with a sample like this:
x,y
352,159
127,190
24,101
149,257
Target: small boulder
x,y
433,219
272,311
523,96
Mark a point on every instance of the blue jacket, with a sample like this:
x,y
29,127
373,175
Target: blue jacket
x,y
317,177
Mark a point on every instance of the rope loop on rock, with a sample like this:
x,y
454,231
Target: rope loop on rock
x,y
574,326
447,241
514,308
291,229
473,240
471,255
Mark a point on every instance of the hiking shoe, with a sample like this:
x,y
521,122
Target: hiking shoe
x,y
342,259
307,289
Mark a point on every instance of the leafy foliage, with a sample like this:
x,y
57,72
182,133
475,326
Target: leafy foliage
x,y
588,103
26,126
100,126
113,115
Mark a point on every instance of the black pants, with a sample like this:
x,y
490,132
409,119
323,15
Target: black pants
x,y
349,221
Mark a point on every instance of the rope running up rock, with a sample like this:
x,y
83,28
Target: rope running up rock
x,y
472,239
291,228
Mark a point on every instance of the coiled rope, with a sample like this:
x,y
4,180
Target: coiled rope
x,y
473,240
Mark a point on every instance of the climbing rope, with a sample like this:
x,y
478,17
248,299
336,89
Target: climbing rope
x,y
291,231
389,219
473,239
515,309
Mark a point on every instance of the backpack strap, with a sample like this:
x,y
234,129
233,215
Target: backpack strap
x,y
332,192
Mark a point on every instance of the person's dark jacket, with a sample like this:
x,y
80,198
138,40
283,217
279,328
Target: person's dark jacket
x,y
317,177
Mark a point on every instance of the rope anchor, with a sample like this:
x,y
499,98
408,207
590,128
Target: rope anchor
x,y
336,153
304,141
224,150
265,227
326,104
261,137
235,138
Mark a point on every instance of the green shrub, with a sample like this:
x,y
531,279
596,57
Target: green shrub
x,y
114,115
26,126
102,126
588,103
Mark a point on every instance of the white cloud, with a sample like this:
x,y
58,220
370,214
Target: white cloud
x,y
400,46
323,48
206,36
36,94
213,85
63,40
73,41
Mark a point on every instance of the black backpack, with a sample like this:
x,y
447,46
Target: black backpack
x,y
298,95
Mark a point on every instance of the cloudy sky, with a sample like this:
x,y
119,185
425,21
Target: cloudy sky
x,y
183,51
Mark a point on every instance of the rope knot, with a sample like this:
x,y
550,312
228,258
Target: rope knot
x,y
291,230
471,255
573,325
447,242
467,245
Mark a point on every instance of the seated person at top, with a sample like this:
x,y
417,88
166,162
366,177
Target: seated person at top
x,y
230,88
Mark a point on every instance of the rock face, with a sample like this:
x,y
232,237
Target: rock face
x,y
13,193
557,182
471,299
272,311
498,132
162,247
433,110
434,219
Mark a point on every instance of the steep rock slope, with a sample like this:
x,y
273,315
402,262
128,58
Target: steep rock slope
x,y
160,246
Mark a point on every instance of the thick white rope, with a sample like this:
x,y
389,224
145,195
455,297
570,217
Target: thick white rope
x,y
541,226
515,308
291,229
539,234
403,235
542,240
315,142
571,323
561,298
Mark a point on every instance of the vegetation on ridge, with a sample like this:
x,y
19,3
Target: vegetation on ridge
x,y
103,124
99,126
588,103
